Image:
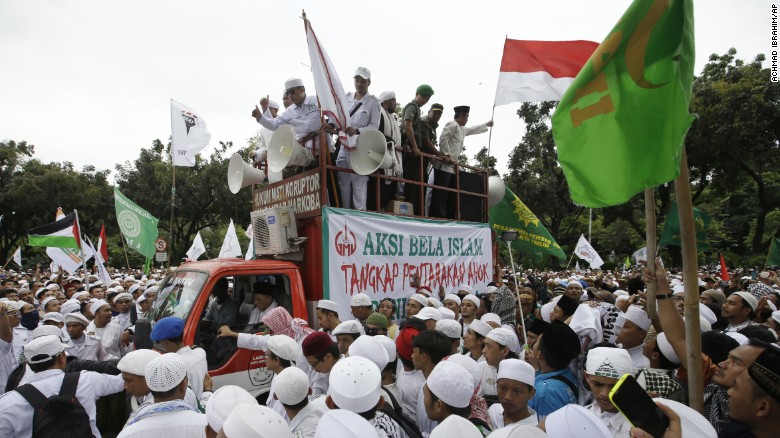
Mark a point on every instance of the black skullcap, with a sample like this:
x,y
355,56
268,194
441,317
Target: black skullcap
x,y
568,305
765,371
264,288
561,341
538,326
462,109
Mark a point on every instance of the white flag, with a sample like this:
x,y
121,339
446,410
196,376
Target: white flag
x,y
330,91
577,267
189,134
586,252
105,277
197,249
250,252
640,254
230,246
18,256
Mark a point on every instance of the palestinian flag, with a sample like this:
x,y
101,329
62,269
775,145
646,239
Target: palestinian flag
x,y
61,234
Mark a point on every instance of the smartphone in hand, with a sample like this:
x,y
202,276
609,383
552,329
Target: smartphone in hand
x,y
637,406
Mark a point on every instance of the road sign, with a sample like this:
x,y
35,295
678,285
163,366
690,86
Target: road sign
x,y
160,244
161,257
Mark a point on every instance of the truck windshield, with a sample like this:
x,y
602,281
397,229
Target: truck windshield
x,y
177,295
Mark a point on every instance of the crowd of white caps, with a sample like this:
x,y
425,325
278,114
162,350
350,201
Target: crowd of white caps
x,y
531,355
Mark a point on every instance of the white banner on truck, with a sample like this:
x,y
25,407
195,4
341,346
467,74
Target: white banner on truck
x,y
378,254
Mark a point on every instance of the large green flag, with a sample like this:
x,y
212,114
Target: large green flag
x,y
620,126
671,233
532,238
773,256
138,226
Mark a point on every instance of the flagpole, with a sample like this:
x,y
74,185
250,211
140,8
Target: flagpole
x,y
9,260
490,133
650,237
590,223
83,256
173,206
124,246
570,259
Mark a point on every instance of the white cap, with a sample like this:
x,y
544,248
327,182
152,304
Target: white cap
x,y
638,316
130,290
222,403
491,289
446,313
609,362
47,330
54,316
78,294
328,305
693,424
739,337
344,424
515,369
355,384
45,347
94,307
450,328
480,327
371,349
665,347
363,73
420,299
574,421
76,317
472,298
465,288
386,95
452,297
451,383
123,296
748,298
141,299
291,386
47,301
361,300
470,365
70,306
165,372
135,362
351,326
389,345
284,347
455,426
293,83
427,313
253,420
505,337
273,104
707,313
434,302
491,317
53,286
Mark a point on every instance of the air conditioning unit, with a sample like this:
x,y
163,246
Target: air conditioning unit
x,y
274,231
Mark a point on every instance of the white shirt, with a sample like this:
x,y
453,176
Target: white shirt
x,y
367,116
88,348
617,424
179,424
256,317
303,118
16,418
195,360
496,415
451,142
109,336
7,362
639,359
274,404
425,424
489,377
409,385
122,320
21,337
304,424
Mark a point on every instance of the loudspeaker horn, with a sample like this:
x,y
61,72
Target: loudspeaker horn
x,y
371,153
242,174
496,190
284,151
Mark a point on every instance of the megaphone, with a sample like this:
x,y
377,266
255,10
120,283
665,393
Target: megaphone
x,y
242,174
496,190
371,153
284,151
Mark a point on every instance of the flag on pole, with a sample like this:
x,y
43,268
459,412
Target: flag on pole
x,y
105,277
137,225
671,233
577,266
640,254
627,109
586,252
18,256
533,71
230,246
197,249
189,134
773,256
102,245
63,233
724,272
330,91
627,263
67,258
250,252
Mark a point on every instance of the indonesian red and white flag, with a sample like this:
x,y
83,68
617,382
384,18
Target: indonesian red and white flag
x,y
533,71
330,91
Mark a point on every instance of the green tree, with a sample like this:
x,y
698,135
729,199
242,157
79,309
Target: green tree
x,y
483,160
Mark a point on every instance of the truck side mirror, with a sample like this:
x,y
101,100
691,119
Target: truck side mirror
x,y
143,333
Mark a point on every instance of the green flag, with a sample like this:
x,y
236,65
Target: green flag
x,y
671,233
773,257
627,263
620,126
137,225
532,238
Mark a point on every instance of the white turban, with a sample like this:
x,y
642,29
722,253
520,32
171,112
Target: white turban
x,y
505,337
609,362
452,297
515,369
94,307
471,298
665,347
387,95
420,299
638,316
451,383
222,402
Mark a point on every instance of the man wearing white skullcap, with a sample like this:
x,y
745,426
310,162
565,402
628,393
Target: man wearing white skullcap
x,y
369,348
574,421
603,368
468,310
346,333
221,404
81,345
515,389
102,328
282,353
414,304
169,415
452,302
447,393
344,424
452,330
448,314
430,316
389,127
474,340
500,344
631,336
739,309
293,394
253,420
362,307
328,316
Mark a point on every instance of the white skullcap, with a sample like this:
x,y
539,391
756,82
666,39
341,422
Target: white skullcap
x,y
76,317
165,372
253,420
53,286
141,299
665,347
361,300
466,288
739,337
471,298
389,345
293,83
135,362
505,337
693,424
152,290
491,317
547,310
420,299
344,424
54,316
704,325
516,369
123,296
352,326
78,294
328,305
95,306
491,289
222,403
450,328
434,302
47,301
291,386
46,330
70,306
452,297
273,104
455,426
574,421
609,362
355,384
518,431
387,95
130,290
446,313
748,298
707,313
678,289
284,347
129,278
451,383
369,348
480,327
428,313
470,365
638,316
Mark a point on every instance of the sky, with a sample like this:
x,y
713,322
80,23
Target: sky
x,y
90,81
